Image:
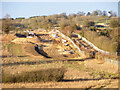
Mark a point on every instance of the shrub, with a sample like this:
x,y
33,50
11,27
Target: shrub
x,y
92,54
99,57
113,46
92,28
7,25
52,74
75,27
88,23
115,35
82,33
63,25
113,23
101,42
69,30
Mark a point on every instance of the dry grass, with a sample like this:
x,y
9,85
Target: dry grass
x,y
78,74
79,84
45,75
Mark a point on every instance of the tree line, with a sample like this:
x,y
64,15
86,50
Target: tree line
x,y
67,23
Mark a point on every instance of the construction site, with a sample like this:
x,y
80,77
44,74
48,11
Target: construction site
x,y
42,50
49,44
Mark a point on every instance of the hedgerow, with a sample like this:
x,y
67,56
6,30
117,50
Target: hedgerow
x,y
101,42
52,74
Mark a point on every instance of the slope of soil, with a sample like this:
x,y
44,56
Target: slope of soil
x,y
7,37
26,40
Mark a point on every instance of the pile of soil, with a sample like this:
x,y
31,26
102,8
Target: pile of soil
x,y
30,49
20,40
7,37
26,40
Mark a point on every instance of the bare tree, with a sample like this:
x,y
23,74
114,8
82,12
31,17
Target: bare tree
x,y
6,24
95,13
104,13
88,14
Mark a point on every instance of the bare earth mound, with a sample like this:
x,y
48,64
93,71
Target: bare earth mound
x,y
26,40
7,37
